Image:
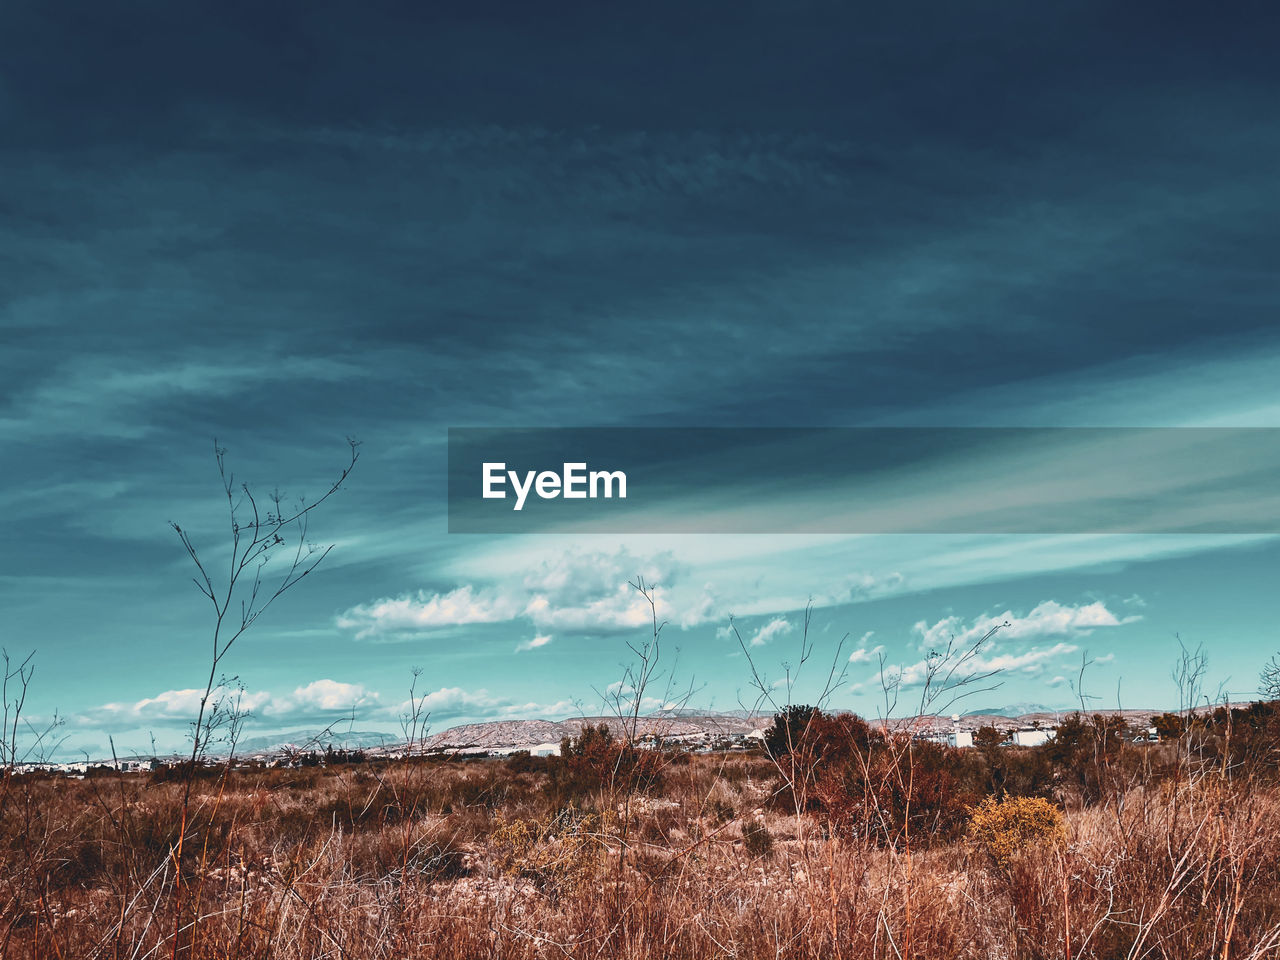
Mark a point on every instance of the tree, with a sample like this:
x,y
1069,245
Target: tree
x,y
988,737
20,741
1169,726
1269,686
597,761
788,729
271,553
257,539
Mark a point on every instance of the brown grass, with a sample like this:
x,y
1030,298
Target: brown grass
x,y
485,859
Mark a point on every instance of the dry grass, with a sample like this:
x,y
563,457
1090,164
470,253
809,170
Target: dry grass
x,y
483,859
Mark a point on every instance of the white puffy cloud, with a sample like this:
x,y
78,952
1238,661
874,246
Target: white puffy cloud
x,y
623,609
321,695
1029,661
865,655
960,667
319,698
950,643
705,607
777,627
1046,620
423,611
170,703
323,701
452,705
573,591
620,697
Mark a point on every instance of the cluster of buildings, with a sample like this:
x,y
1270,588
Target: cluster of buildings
x,y
1022,737
704,741
1025,736
78,768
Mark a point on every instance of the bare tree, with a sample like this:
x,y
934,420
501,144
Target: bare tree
x,y
1269,680
415,720
626,699
767,693
271,552
21,741
946,677
1188,674
259,534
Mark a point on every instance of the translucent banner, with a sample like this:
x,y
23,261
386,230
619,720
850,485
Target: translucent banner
x,y
864,480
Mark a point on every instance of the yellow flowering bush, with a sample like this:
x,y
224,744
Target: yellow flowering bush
x,y
558,854
1004,828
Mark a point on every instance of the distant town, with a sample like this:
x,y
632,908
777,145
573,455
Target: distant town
x,y
688,731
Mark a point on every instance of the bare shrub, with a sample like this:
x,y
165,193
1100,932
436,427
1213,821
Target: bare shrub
x,y
756,838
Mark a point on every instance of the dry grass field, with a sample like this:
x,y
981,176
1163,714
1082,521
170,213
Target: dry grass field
x,y
862,847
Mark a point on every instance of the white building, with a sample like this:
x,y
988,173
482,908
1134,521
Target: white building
x,y
1032,737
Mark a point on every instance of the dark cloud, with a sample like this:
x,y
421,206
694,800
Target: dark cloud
x,y
989,73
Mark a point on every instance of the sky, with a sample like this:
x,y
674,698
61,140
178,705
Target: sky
x,y
284,225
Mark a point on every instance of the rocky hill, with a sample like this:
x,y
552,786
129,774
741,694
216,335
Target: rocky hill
x,y
498,734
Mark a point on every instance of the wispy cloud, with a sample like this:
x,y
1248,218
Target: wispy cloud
x,y
538,641
91,395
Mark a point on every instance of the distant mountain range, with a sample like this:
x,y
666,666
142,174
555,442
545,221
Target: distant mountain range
x,y
531,733
317,740
1015,710
510,734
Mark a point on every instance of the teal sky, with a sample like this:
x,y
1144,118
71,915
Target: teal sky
x,y
282,230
